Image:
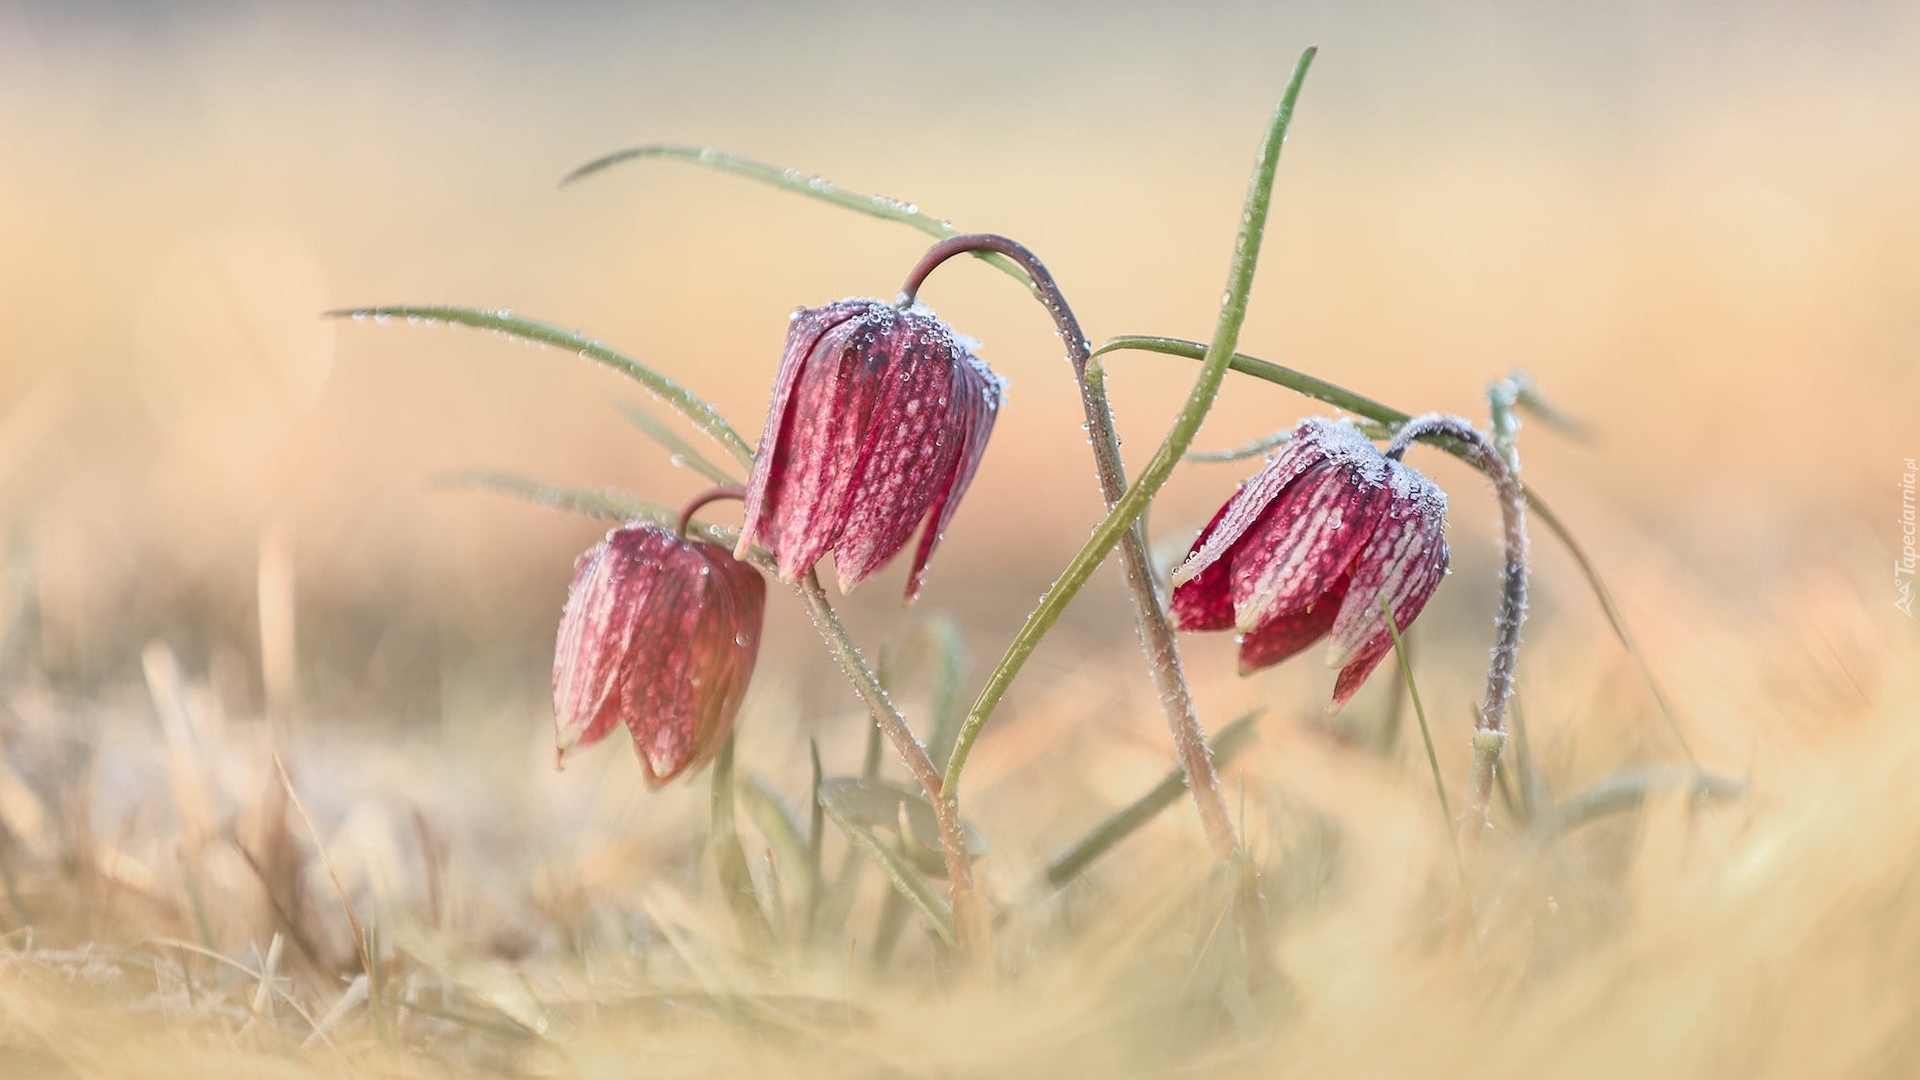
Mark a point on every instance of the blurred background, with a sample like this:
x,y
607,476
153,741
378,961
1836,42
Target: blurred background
x,y
1693,223
223,531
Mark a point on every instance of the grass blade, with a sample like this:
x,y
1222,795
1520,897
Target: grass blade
x,y
730,859
1216,358
603,503
1226,745
1433,759
606,504
703,416
905,878
1627,790
782,832
796,182
681,450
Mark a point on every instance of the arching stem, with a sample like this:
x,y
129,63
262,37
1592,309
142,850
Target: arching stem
x,y
711,495
1490,734
972,929
1156,631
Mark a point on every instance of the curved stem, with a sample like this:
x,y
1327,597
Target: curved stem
x,y
711,495
1150,615
1491,732
1179,438
971,928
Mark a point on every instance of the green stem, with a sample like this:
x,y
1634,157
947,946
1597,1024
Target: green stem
x,y
730,859
973,932
1490,733
797,182
1150,615
1433,759
1069,864
1130,506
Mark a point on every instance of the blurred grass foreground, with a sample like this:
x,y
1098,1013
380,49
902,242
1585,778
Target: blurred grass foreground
x,y
276,785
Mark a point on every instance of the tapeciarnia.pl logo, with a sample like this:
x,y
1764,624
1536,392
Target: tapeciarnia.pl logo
x,y
1904,567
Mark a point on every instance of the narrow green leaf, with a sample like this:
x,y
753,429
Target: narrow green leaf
x,y
704,416
798,183
816,823
1628,789
781,829
918,891
1605,596
681,450
1299,382
1433,759
1226,745
1219,353
606,504
730,859
876,804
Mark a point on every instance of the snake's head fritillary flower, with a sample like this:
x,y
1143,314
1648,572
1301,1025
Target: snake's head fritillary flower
x,y
1308,548
878,421
659,633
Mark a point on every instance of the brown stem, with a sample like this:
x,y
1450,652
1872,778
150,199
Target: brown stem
x,y
1490,734
711,495
971,927
1150,615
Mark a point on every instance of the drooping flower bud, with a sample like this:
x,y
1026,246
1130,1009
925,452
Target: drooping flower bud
x,y
878,421
1308,548
659,633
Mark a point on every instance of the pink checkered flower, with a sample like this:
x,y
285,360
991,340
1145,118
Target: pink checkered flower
x,y
1308,547
879,419
659,633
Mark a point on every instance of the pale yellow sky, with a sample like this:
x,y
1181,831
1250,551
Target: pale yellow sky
x,y
1694,225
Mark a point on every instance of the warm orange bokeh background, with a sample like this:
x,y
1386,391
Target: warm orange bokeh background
x,y
1695,225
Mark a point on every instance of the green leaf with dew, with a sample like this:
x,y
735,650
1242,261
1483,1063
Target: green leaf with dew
x,y
796,182
918,891
1218,354
682,451
702,415
1071,863
769,814
881,804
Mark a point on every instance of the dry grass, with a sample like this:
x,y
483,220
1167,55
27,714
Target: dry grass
x,y
171,915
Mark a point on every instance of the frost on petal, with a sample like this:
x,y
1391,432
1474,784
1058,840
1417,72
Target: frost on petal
x,y
1358,662
1403,562
1309,537
660,633
1301,453
913,444
1203,602
690,673
766,481
977,394
821,438
1287,635
597,630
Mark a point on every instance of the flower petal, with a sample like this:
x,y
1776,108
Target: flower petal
x,y
1301,453
1310,536
597,630
1204,602
769,465
1403,562
691,667
912,445
977,395
1285,636
832,408
1358,662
